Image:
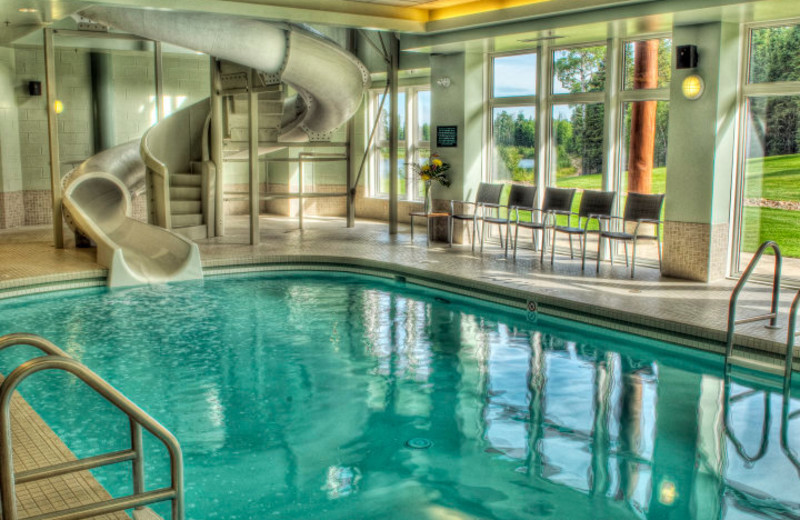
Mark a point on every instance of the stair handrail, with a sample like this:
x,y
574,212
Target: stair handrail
x,y
791,334
163,213
56,359
772,316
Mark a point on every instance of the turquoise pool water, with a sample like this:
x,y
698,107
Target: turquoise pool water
x,y
296,396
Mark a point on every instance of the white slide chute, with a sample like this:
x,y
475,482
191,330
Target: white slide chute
x,y
330,85
97,201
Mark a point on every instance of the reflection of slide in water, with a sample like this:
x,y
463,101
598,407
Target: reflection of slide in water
x,y
330,84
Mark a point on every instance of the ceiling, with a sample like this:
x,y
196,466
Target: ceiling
x,y
408,16
439,25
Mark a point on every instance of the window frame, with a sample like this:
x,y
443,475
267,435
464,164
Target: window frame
x,y
746,92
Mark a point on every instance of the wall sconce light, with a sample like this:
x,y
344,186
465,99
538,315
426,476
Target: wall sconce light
x,y
692,87
443,82
58,106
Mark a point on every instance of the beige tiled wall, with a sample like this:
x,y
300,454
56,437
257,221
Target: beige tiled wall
x,y
12,210
695,251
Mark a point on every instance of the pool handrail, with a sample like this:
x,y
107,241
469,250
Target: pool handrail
x,y
772,316
56,359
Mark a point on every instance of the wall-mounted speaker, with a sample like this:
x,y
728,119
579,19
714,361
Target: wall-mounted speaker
x,y
35,88
686,57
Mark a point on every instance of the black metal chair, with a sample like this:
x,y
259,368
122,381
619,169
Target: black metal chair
x,y
640,209
521,198
557,201
595,205
488,197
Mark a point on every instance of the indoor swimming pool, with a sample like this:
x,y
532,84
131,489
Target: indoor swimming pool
x,y
340,396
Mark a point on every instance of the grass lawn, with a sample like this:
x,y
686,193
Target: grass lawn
x,y
774,178
780,225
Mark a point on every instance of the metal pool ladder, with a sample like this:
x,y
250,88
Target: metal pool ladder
x,y
56,359
731,359
772,315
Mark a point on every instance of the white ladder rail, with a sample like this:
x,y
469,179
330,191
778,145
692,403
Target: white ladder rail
x,y
57,359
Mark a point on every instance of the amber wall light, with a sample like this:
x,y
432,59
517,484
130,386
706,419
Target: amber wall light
x,y
692,87
58,106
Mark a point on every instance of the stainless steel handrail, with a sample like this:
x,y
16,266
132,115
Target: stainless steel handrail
x,y
790,337
56,359
772,316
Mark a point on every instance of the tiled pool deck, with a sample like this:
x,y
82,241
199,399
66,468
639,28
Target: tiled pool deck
x,y
690,313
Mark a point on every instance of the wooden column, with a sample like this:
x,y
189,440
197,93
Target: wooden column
x,y
643,118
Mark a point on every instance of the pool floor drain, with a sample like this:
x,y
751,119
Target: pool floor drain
x,y
419,443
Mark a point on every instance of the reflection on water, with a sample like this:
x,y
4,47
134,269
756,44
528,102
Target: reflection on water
x,y
297,397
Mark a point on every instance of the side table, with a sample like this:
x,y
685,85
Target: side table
x,y
431,215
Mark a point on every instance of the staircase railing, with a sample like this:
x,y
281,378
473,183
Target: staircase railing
x,y
57,359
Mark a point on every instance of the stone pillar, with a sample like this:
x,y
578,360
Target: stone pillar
x,y
11,206
461,105
701,156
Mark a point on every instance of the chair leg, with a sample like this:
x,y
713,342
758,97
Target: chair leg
x,y
633,258
571,255
508,239
516,242
611,251
553,246
450,224
583,252
483,233
544,244
658,241
626,253
474,237
599,246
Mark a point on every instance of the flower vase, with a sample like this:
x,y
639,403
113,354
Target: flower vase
x,y
428,203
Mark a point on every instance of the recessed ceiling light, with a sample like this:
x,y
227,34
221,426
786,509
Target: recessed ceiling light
x,y
28,10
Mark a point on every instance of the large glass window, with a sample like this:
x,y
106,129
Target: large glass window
x,y
414,108
579,69
769,185
578,140
513,122
514,76
513,144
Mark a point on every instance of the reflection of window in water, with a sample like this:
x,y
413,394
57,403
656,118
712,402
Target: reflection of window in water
x,y
595,412
507,415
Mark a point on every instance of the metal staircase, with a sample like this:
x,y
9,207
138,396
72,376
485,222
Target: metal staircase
x,y
56,359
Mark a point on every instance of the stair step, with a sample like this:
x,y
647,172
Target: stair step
x,y
192,232
190,180
186,207
184,193
183,221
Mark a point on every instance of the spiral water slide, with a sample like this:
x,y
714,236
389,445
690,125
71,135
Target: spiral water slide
x,y
329,82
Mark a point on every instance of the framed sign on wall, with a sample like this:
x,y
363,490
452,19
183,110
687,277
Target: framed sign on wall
x,y
447,136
